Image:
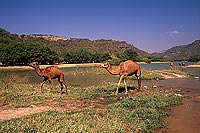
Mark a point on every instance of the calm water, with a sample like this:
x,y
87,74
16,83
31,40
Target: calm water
x,y
90,79
161,66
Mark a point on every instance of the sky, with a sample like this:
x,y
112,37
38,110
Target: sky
x,y
150,25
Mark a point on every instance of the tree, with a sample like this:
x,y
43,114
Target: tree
x,y
23,54
129,54
84,56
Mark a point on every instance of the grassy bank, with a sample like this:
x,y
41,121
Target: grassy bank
x,y
143,112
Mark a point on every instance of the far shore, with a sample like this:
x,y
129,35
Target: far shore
x,y
191,66
43,66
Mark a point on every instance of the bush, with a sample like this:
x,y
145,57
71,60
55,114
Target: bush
x,y
23,54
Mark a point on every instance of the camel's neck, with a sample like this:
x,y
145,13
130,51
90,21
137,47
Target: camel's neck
x,y
38,71
111,71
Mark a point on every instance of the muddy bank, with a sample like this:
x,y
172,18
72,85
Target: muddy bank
x,y
185,118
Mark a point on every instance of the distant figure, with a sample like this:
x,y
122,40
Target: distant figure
x,y
180,67
172,66
182,63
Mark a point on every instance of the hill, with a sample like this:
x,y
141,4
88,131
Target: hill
x,y
183,52
101,46
48,49
60,44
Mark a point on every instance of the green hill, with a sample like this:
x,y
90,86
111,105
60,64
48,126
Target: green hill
x,y
49,49
70,44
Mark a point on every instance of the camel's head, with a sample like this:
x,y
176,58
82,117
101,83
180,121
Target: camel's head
x,y
34,64
106,65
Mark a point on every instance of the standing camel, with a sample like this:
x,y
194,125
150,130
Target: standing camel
x,y
49,73
127,68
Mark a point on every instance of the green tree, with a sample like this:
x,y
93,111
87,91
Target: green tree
x,y
129,54
22,54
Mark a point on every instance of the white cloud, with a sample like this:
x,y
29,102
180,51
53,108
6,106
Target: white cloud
x,y
173,33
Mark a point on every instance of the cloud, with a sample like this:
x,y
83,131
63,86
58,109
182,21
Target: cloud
x,y
173,33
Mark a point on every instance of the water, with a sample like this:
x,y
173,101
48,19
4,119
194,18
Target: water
x,y
156,66
161,66
195,72
166,66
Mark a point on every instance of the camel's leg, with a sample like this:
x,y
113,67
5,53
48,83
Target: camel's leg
x,y
41,84
65,88
119,84
125,86
51,85
61,80
139,83
61,84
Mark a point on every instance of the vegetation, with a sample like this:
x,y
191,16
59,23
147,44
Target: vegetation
x,y
13,51
23,54
134,114
84,56
195,58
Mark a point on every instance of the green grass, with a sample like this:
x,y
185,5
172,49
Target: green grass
x,y
134,113
143,113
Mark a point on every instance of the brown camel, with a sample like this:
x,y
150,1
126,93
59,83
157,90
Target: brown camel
x,y
49,73
127,68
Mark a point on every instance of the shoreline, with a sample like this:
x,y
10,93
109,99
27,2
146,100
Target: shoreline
x,y
78,65
43,66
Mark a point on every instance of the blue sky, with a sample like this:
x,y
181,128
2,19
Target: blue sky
x,y
150,25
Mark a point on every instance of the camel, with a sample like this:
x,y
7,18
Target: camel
x,y
49,73
127,68
180,67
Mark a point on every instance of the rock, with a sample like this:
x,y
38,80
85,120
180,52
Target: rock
x,y
179,95
145,87
154,86
32,106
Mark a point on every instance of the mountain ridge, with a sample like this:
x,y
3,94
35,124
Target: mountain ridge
x,y
60,44
181,52
102,45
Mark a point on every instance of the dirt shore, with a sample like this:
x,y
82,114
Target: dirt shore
x,y
185,118
43,66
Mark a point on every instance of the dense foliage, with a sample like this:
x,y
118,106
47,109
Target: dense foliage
x,y
13,51
195,58
22,54
84,56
